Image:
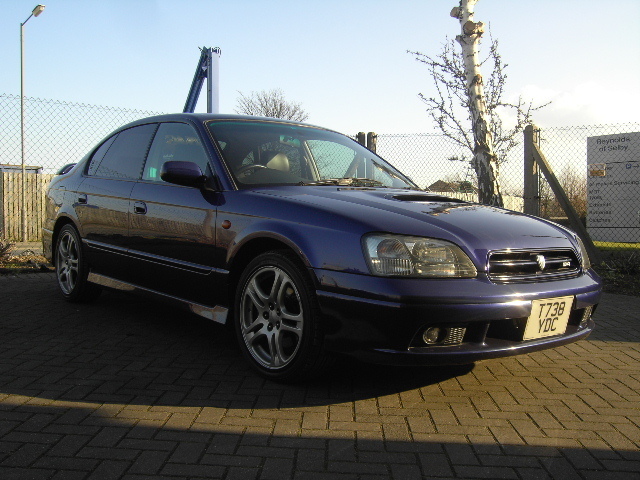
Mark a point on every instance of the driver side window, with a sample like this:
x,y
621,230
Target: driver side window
x,y
175,142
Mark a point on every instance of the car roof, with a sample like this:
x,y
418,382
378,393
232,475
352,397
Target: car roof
x,y
203,117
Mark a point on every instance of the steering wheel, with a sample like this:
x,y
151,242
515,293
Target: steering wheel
x,y
246,168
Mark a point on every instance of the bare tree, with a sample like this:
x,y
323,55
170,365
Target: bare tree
x,y
575,186
467,108
270,103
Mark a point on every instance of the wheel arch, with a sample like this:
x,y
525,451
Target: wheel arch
x,y
255,246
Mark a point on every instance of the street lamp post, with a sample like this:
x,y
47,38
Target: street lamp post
x,y
23,220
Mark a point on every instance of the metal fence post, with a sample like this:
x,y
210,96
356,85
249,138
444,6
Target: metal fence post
x,y
372,141
565,203
23,195
531,172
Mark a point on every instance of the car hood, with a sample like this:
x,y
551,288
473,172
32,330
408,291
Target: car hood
x,y
478,227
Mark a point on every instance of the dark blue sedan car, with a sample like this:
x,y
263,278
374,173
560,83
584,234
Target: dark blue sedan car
x,y
310,246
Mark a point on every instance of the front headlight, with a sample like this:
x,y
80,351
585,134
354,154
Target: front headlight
x,y
584,256
400,255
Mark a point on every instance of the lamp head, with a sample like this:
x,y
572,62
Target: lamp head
x,y
38,10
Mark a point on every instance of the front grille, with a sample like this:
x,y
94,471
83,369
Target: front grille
x,y
514,266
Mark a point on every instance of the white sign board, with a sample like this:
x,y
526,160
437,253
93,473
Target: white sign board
x,y
613,195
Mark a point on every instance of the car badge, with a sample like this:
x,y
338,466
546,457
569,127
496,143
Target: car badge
x,y
542,262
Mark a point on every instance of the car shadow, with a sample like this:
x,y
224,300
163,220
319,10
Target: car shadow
x,y
124,349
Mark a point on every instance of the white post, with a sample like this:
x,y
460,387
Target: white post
x,y
213,80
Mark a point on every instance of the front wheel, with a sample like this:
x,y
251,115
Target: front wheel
x,y
277,319
71,267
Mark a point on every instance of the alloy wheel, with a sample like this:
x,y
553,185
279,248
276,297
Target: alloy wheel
x,y
68,263
271,317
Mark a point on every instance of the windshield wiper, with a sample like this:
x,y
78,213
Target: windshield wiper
x,y
347,182
332,181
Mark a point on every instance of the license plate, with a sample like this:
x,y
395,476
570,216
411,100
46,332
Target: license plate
x,y
549,317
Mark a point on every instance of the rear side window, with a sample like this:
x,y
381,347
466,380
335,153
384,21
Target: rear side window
x,y
125,156
99,155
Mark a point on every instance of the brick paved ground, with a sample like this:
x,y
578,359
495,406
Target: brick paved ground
x,y
124,388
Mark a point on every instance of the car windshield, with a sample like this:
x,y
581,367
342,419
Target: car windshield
x,y
275,153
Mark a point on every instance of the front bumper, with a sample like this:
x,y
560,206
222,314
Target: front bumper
x,y
382,319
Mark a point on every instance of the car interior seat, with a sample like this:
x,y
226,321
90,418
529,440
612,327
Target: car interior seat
x,y
279,162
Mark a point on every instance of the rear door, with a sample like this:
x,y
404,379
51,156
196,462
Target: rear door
x,y
102,199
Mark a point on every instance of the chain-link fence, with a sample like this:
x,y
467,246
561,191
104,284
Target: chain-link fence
x,y
597,166
435,162
56,133
605,194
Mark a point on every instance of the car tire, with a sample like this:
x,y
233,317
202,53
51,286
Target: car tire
x,y
72,269
277,319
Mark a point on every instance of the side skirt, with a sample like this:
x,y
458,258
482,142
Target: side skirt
x,y
217,314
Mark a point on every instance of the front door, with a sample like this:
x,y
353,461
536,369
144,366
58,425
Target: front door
x,y
172,228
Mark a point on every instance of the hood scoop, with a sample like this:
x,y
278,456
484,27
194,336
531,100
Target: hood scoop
x,y
413,197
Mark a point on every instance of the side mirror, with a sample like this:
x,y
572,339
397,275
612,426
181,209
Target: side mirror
x,y
66,169
187,174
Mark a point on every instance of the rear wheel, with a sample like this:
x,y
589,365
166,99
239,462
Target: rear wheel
x,y
277,319
71,267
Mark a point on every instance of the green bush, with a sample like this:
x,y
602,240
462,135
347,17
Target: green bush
x,y
620,272
626,263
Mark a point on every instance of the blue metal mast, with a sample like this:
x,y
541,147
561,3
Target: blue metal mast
x,y
207,68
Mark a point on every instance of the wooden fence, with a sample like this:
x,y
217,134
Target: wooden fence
x,y
11,205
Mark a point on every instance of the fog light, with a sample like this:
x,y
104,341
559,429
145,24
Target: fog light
x,y
431,335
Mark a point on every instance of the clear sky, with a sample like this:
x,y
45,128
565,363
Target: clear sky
x,y
345,61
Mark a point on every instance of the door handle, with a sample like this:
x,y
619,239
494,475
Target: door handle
x,y
140,208
82,198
